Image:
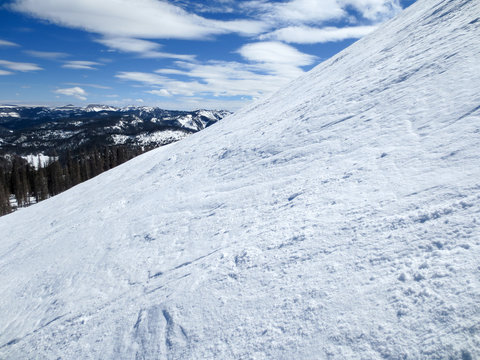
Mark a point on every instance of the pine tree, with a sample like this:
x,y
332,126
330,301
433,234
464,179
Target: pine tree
x,y
106,159
55,177
16,182
41,185
73,169
5,207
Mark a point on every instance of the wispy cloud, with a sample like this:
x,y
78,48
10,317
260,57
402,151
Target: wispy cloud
x,y
270,64
374,10
310,35
297,11
7,43
49,55
129,44
4,72
143,19
96,86
124,25
19,66
145,48
210,7
273,52
217,80
303,12
76,92
81,65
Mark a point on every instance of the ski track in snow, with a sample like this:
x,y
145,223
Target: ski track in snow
x,y
336,219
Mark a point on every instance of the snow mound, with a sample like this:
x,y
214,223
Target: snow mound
x,y
337,219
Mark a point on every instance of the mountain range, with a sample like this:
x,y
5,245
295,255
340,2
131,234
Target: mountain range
x,y
26,130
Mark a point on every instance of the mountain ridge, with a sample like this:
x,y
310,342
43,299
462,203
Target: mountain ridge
x,y
31,129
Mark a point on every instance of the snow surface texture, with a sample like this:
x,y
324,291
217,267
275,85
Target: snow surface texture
x,y
337,219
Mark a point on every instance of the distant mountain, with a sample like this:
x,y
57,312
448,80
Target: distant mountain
x,y
26,130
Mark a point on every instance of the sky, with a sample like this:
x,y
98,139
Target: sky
x,y
175,54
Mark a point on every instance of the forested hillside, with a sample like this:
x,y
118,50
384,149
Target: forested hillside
x,y
23,184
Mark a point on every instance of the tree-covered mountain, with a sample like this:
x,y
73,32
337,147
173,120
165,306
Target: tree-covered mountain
x,y
33,130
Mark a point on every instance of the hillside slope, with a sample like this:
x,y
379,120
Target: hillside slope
x,y
337,219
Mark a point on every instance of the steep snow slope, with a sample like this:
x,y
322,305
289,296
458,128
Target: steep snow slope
x,y
337,219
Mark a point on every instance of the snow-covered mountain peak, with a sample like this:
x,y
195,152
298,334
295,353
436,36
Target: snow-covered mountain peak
x,y
336,219
99,108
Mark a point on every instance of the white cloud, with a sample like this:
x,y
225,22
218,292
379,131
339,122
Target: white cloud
x,y
19,66
4,72
129,44
145,78
306,10
76,92
271,65
275,53
219,83
374,10
81,65
193,103
302,12
212,7
7,43
309,35
161,92
145,48
49,55
144,19
96,86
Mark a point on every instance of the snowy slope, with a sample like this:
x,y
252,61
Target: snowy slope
x,y
337,219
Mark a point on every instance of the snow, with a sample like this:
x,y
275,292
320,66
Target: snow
x,y
136,120
208,114
157,137
146,109
160,137
34,159
196,123
10,114
65,108
119,139
59,134
21,139
187,122
14,204
336,219
100,108
77,123
121,124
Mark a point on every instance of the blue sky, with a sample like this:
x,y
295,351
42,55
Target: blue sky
x,y
176,54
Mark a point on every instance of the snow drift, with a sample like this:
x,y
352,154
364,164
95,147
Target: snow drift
x,y
338,218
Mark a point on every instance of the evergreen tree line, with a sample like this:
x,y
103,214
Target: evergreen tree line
x,y
22,184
